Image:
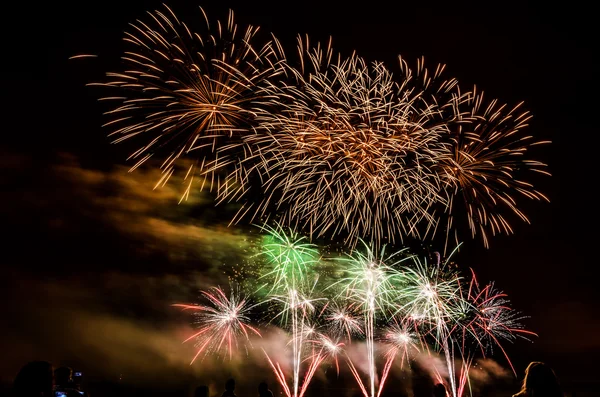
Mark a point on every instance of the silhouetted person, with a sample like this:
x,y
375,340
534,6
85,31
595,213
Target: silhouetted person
x,y
229,388
63,377
439,390
540,381
263,390
35,379
77,378
201,391
63,382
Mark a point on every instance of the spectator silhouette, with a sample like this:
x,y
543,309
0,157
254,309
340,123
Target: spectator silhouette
x,y
63,377
35,379
201,391
76,380
263,390
540,381
229,388
63,382
439,390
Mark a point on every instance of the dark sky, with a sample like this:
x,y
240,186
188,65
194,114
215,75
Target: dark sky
x,y
77,223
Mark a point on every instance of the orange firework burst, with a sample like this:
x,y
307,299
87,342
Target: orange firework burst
x,y
183,92
336,147
481,171
348,151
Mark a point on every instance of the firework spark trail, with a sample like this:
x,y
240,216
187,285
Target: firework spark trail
x,y
183,92
464,375
428,294
357,377
428,302
483,166
323,347
330,347
221,321
297,311
432,294
280,375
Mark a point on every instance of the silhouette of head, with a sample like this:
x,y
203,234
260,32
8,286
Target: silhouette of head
x,y
540,381
35,379
439,390
263,389
63,376
230,384
201,391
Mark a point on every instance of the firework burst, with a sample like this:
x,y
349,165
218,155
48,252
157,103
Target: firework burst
x,y
489,320
344,321
326,347
289,257
347,151
337,147
222,322
428,302
187,94
401,340
481,172
371,283
429,295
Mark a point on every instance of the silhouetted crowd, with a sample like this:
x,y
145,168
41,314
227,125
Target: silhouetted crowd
x,y
38,379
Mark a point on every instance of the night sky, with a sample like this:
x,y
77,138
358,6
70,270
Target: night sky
x,y
92,256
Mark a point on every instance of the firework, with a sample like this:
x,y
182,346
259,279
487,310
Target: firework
x,y
221,322
321,348
347,151
371,282
490,320
289,257
429,302
456,315
401,340
344,321
429,294
418,305
482,169
187,94
338,148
